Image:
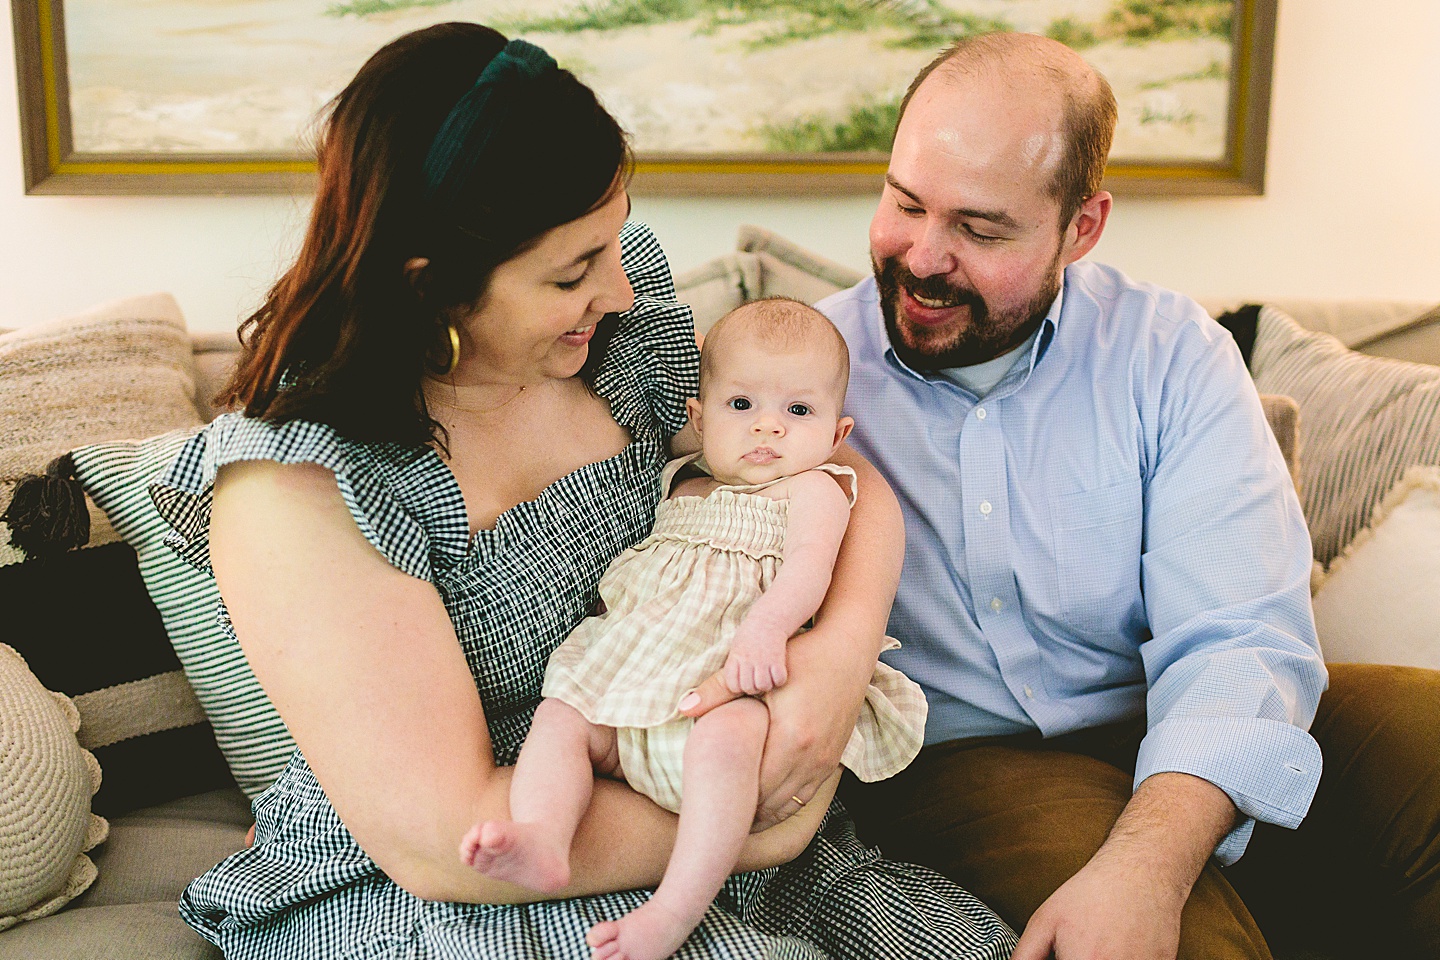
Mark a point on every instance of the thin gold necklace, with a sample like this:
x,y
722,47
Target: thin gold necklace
x,y
459,408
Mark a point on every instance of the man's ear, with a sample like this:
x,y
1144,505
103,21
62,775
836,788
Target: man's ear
x,y
1085,228
692,409
843,426
417,274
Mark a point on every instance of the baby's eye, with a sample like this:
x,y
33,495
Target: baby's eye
x,y
799,410
739,403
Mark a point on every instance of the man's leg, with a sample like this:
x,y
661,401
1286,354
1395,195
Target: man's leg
x,y
1362,873
1012,818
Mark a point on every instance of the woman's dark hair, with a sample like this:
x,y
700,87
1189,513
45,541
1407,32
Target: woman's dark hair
x,y
344,337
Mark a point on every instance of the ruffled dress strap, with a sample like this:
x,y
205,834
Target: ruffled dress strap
x,y
403,499
672,470
839,472
834,469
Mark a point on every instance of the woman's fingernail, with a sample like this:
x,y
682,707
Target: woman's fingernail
x,y
691,699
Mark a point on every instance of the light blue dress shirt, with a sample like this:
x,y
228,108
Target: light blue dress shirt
x,y
1110,531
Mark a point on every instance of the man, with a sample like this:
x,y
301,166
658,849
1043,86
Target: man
x,y
1106,582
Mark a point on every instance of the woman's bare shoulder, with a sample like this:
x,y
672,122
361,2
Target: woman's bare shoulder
x,y
284,500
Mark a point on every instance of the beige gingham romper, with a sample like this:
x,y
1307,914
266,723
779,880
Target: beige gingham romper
x,y
673,602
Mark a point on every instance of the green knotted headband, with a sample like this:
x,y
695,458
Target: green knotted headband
x,y
466,132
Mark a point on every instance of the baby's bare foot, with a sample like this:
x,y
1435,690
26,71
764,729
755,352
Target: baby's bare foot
x,y
516,853
649,932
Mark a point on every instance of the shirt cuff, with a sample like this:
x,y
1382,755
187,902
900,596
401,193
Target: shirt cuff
x,y
1268,768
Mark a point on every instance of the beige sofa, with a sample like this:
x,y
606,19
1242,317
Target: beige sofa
x,y
130,911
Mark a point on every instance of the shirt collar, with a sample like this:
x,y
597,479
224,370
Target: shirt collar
x,y
1038,347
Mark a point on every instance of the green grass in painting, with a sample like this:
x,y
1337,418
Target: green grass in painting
x,y
1073,33
1149,115
867,126
1141,20
921,23
364,8
945,30
1215,71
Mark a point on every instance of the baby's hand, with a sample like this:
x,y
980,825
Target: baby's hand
x,y
756,662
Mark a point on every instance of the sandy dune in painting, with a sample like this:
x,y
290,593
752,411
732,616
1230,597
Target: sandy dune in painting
x,y
247,76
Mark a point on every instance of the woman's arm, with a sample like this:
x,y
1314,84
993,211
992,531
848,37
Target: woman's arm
x,y
363,665
813,715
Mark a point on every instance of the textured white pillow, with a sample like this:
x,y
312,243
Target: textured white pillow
x,y
765,264
46,782
123,369
1380,600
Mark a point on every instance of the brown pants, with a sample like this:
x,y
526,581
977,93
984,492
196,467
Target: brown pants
x,y
1011,818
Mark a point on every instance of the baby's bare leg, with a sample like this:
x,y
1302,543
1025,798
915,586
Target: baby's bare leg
x,y
548,795
721,787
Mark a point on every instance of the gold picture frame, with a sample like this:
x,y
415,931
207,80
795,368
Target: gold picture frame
x,y
53,165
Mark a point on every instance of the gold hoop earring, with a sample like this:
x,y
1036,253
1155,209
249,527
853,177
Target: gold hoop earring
x,y
454,349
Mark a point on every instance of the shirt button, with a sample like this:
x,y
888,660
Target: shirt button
x,y
996,605
985,508
979,413
1030,694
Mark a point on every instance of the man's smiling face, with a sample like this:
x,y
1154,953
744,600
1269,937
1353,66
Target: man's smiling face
x,y
966,245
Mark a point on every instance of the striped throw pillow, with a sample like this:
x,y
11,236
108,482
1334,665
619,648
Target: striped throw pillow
x,y
1363,421
249,731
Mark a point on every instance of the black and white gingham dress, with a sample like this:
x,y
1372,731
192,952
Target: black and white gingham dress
x,y
307,890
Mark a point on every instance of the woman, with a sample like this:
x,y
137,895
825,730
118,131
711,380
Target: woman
x,y
455,415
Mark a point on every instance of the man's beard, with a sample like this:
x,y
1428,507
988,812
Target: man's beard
x,y
984,338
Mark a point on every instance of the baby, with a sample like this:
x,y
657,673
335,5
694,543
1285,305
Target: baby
x,y
740,557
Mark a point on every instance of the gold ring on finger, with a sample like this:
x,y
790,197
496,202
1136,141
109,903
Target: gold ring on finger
x,y
798,801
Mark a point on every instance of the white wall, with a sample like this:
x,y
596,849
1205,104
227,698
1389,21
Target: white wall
x,y
1351,210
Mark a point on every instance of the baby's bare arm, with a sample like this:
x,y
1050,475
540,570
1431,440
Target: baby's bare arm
x,y
818,515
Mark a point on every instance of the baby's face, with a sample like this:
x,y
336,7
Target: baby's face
x,y
767,414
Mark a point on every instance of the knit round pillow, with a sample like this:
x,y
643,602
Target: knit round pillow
x,y
46,782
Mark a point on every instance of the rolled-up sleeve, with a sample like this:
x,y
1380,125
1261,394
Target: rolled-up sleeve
x,y
1233,666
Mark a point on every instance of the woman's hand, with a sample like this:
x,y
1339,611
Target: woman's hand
x,y
811,720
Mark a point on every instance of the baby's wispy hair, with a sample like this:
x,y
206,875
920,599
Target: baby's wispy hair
x,y
783,324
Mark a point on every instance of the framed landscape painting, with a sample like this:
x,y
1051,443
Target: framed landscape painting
x,y
721,96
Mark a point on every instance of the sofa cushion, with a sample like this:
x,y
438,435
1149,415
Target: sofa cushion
x,y
153,853
1378,603
110,652
764,265
1363,421
1283,416
1401,329
46,781
215,356
795,271
134,931
131,913
124,369
249,731
718,286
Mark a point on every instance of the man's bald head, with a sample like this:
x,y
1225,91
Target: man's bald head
x,y
1035,66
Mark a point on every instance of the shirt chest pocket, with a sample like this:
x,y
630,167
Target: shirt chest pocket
x,y
1097,538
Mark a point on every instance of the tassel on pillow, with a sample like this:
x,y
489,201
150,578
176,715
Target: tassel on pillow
x,y
47,513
